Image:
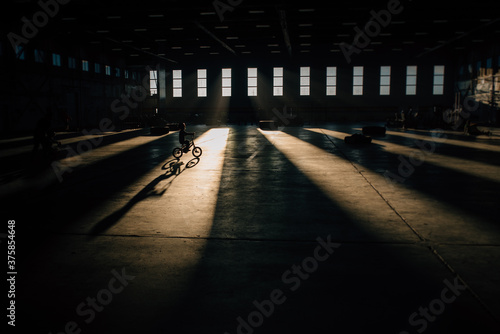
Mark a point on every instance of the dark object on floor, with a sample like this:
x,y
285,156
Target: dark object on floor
x,y
159,130
131,123
173,126
357,139
471,129
268,125
374,130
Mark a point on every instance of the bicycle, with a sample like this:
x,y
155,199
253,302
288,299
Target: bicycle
x,y
178,151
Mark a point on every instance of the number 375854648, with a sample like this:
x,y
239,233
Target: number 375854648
x,y
11,248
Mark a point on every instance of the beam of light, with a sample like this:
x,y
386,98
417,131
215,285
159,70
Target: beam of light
x,y
339,181
173,203
440,137
64,142
218,103
466,166
469,144
85,155
261,100
95,153
11,140
377,205
169,212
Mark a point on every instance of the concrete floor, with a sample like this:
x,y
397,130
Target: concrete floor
x,y
287,231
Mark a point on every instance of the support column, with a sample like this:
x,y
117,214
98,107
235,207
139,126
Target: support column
x,y
162,89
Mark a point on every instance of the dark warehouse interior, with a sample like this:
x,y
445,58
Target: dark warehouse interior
x,y
236,166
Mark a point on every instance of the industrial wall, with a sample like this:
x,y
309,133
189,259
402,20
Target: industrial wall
x,y
38,79
120,91
317,106
478,82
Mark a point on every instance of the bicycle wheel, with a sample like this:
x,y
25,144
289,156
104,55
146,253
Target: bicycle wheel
x,y
197,151
177,153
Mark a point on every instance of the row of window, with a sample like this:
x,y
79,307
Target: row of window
x,y
278,78
305,81
39,57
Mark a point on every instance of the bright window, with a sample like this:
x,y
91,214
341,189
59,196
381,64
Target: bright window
x,y
107,69
252,81
20,52
411,80
56,60
39,56
278,81
385,80
153,82
71,62
305,81
357,83
226,82
202,83
85,65
438,86
177,83
331,80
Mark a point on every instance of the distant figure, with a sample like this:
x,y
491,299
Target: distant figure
x,y
471,129
66,119
182,136
42,135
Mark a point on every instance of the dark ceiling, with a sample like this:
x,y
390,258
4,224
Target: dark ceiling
x,y
141,31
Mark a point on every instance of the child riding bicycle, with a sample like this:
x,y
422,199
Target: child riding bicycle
x,y
182,137
186,144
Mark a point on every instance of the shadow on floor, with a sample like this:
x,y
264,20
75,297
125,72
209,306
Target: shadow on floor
x,y
173,167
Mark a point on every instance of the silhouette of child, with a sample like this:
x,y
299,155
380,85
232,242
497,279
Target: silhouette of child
x,y
42,135
182,136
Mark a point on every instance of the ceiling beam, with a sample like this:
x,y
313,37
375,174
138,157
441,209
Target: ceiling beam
x,y
209,33
284,29
458,37
132,47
